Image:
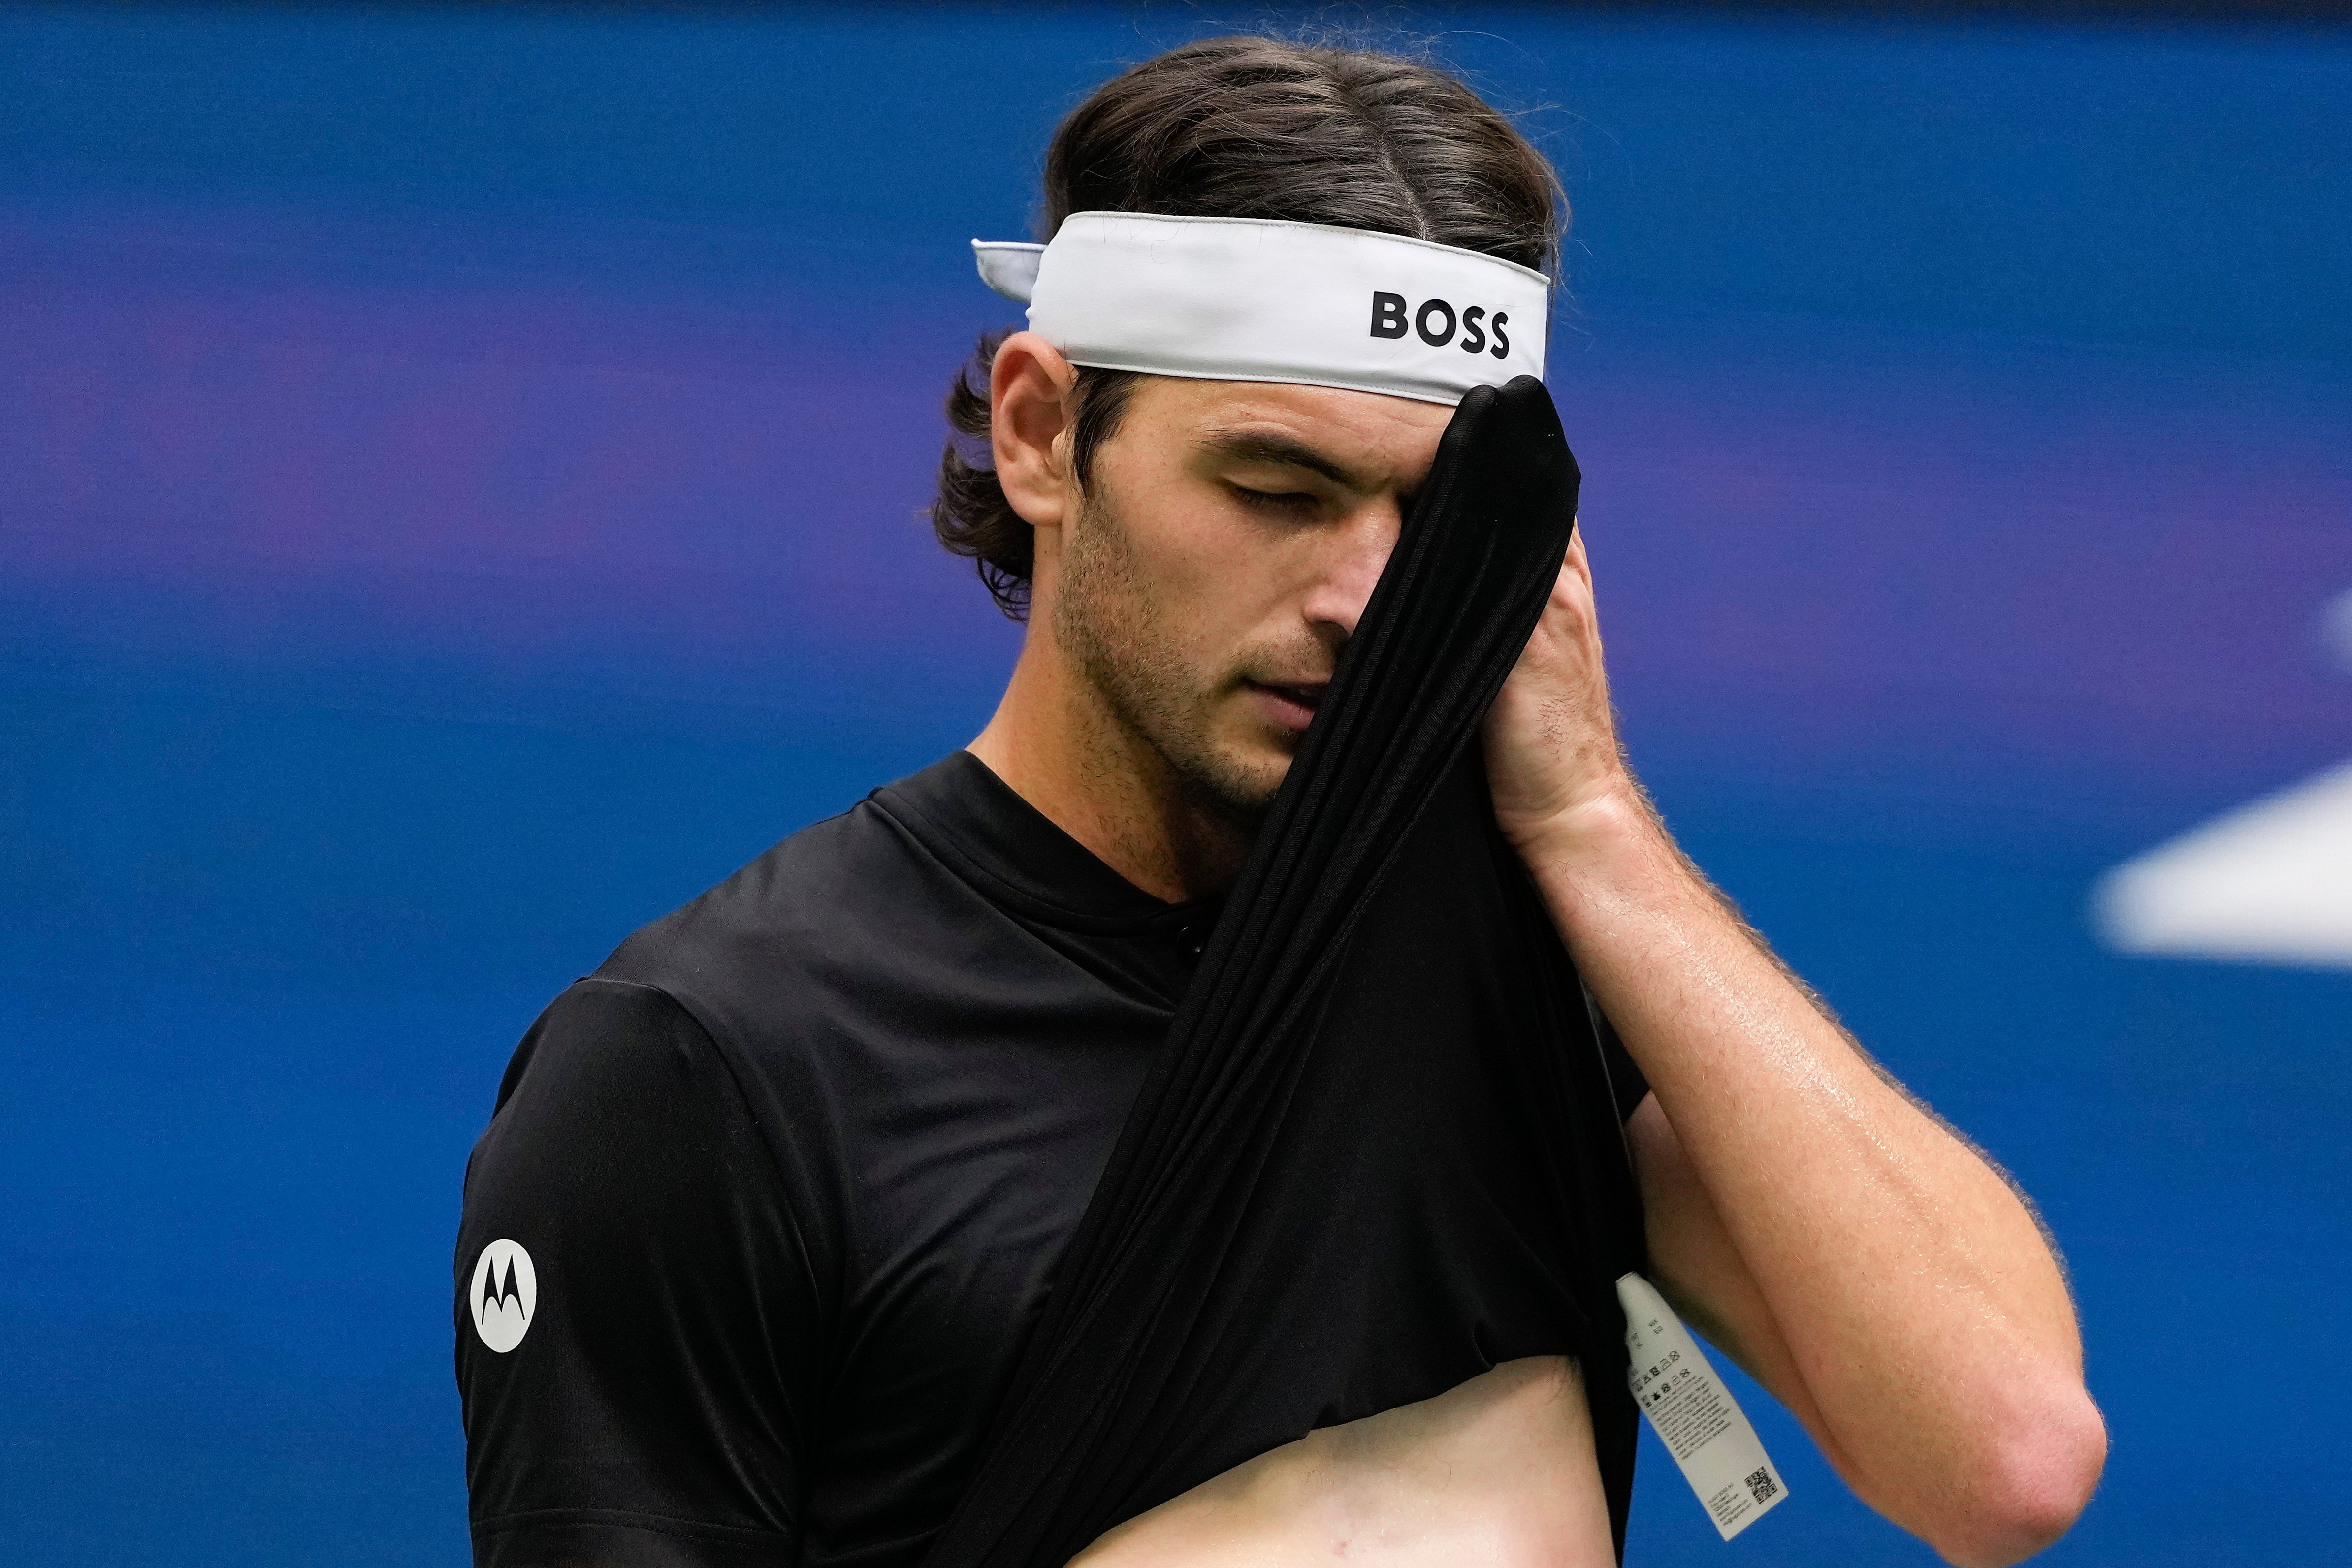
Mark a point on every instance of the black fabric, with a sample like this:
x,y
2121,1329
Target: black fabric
x,y
798,1166
1380,1151
794,1169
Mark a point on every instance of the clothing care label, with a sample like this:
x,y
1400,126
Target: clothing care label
x,y
1693,1412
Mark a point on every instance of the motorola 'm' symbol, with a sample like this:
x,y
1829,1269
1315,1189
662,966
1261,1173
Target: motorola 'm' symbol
x,y
504,1295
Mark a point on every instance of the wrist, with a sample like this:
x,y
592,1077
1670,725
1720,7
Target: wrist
x,y
1610,839
1604,817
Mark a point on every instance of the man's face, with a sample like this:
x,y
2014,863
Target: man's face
x,y
1229,538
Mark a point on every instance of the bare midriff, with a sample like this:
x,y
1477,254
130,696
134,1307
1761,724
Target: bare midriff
x,y
1498,1473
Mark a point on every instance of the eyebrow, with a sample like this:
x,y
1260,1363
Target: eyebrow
x,y
1265,446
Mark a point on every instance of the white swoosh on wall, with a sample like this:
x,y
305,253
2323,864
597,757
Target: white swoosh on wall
x,y
2269,882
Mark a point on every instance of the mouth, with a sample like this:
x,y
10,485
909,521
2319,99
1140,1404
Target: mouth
x,y
1290,704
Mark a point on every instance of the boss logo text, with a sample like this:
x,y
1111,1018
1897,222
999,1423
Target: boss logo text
x,y
1436,324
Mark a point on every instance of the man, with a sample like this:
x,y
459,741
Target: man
x,y
768,1204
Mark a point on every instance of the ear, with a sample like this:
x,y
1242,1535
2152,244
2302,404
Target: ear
x,y
1030,409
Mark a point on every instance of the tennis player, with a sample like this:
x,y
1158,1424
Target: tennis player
x,y
770,1200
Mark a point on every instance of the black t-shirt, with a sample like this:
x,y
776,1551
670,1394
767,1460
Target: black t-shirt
x,y
792,1172
772,1199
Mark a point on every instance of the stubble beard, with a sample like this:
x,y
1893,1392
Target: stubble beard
x,y
1108,623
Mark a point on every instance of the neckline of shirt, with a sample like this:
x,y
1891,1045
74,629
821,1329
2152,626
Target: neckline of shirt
x,y
968,817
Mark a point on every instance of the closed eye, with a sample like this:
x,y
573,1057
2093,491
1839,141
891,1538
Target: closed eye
x,y
1288,502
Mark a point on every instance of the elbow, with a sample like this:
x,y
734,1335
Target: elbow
x,y
2033,1480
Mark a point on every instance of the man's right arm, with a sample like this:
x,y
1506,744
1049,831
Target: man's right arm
x,y
636,1319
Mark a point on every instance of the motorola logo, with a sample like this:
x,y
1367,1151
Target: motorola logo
x,y
1436,323
504,1296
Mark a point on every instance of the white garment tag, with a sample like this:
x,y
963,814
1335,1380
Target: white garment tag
x,y
1694,1414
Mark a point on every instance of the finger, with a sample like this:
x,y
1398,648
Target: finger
x,y
1576,561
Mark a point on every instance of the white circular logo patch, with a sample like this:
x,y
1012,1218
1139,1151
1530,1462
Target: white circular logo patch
x,y
505,1295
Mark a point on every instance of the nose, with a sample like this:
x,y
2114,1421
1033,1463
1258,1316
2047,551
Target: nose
x,y
1356,554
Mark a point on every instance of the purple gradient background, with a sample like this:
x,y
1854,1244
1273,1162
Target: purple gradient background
x,y
2074,579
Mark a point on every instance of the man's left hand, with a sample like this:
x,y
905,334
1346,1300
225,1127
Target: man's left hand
x,y
1550,737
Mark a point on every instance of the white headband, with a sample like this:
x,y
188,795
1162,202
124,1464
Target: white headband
x,y
1254,299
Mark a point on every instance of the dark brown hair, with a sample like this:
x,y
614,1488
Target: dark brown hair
x,y
1251,127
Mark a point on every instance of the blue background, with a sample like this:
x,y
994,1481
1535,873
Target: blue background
x,y
457,486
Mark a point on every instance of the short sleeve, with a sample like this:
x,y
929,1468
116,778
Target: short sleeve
x,y
638,1322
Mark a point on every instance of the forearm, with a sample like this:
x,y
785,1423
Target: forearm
x,y
1910,1289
